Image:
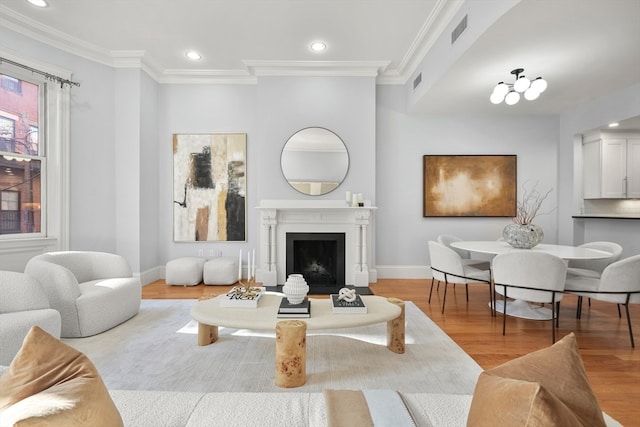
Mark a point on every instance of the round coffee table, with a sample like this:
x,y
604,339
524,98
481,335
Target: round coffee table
x,y
210,314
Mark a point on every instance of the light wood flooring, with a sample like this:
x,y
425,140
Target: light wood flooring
x,y
612,365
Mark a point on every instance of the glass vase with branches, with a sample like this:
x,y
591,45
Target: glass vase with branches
x,y
528,207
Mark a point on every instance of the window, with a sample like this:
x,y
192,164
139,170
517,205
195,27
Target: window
x,y
11,84
34,158
9,211
21,156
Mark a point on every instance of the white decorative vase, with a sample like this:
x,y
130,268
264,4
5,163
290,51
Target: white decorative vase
x,y
295,288
522,236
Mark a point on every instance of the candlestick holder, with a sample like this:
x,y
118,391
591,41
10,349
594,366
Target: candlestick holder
x,y
247,288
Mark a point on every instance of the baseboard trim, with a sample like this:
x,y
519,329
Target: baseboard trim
x,y
151,275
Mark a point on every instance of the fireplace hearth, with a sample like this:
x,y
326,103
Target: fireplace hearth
x,y
319,257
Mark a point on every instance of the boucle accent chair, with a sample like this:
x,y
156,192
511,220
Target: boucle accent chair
x,y
93,291
23,304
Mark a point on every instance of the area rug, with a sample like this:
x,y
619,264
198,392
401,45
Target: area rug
x,y
157,350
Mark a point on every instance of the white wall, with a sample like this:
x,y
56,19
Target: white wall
x,y
127,162
403,140
202,109
149,175
269,113
92,191
344,105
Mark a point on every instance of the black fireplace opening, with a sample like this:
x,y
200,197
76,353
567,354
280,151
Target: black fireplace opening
x,y
319,257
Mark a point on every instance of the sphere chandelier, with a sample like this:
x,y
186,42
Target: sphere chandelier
x,y
510,93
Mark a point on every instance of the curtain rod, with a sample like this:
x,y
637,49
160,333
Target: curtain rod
x,y
48,76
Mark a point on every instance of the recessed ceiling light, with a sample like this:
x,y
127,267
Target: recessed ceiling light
x,y
612,125
318,46
39,3
193,55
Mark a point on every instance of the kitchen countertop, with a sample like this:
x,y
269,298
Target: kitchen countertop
x,y
608,216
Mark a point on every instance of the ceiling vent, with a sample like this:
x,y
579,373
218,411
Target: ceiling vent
x,y
417,81
457,32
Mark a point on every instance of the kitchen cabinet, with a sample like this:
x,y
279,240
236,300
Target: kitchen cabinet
x,y
611,167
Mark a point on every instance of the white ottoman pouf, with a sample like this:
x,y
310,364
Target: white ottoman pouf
x,y
221,271
185,271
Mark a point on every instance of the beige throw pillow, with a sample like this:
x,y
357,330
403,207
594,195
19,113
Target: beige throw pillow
x,y
548,387
50,383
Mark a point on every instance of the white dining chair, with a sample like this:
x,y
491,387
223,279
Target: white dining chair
x,y
447,266
530,276
447,239
618,284
594,267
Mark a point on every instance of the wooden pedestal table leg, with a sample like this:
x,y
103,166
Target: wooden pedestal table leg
x,y
291,353
207,334
395,329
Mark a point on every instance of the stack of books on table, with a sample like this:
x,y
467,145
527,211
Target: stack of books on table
x,y
240,296
345,307
287,309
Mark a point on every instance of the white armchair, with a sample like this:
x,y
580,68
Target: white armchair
x,y
23,304
93,291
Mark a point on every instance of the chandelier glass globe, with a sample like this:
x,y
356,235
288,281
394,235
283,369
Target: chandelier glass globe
x,y
512,98
521,84
539,85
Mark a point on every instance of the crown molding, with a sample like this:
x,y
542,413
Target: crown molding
x,y
317,68
19,57
432,28
187,76
50,36
440,17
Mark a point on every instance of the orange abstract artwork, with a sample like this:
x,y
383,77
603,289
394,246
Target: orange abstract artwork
x,y
474,185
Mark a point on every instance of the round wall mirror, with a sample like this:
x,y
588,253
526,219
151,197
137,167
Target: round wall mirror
x,y
314,161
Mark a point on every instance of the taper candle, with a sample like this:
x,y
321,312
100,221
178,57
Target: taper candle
x,y
240,265
253,264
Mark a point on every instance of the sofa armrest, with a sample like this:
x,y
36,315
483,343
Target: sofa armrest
x,y
20,292
58,282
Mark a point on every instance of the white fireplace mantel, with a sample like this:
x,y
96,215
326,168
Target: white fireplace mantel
x,y
279,217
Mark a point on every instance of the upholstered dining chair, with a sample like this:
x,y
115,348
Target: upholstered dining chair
x,y
530,276
594,267
447,239
618,284
447,266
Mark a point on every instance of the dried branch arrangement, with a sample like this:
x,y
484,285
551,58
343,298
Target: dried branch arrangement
x,y
527,209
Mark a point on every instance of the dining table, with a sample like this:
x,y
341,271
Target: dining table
x,y
521,308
